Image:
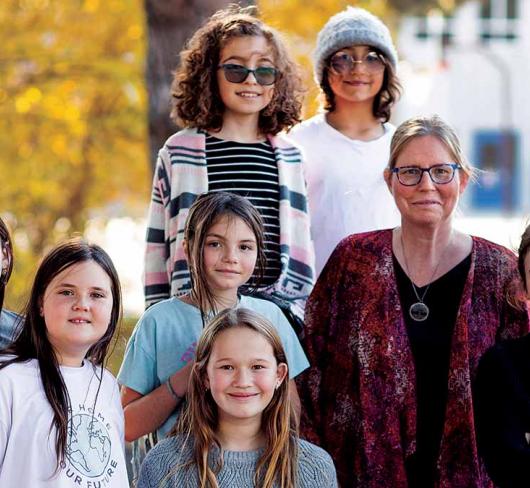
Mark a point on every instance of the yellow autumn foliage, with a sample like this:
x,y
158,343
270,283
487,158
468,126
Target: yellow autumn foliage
x,y
73,120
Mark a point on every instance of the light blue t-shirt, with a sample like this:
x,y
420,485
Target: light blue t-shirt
x,y
165,338
7,327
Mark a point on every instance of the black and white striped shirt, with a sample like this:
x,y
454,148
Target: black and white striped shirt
x,y
250,170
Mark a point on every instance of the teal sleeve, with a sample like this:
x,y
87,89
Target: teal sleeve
x,y
296,357
138,369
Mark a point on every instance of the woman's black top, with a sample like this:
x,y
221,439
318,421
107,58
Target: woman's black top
x,y
502,412
430,342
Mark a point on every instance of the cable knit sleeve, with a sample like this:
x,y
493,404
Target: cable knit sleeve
x,y
315,467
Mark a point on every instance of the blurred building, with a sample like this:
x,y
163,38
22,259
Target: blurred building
x,y
473,68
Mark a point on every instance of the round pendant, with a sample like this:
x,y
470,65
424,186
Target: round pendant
x,y
419,311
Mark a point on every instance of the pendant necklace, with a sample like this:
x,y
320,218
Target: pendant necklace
x,y
419,311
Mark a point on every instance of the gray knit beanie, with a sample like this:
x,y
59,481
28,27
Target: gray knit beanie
x,y
351,27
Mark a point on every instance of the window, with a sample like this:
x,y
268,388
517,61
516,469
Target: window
x,y
436,27
499,19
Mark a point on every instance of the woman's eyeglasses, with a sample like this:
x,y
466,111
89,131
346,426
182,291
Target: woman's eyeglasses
x,y
236,73
440,174
343,63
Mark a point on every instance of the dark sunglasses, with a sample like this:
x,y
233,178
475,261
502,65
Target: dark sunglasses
x,y
236,73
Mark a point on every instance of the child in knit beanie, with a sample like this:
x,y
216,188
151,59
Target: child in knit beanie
x,y
355,66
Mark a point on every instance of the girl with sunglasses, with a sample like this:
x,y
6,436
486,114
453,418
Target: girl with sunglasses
x,y
354,64
235,90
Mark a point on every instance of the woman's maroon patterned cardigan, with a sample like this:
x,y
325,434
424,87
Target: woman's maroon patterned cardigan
x,y
358,397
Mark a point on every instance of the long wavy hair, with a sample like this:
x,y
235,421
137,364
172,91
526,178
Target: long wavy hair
x,y
6,248
204,213
385,99
33,343
196,101
524,251
277,466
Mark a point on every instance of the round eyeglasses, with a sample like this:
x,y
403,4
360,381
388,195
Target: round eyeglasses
x,y
441,174
236,73
343,63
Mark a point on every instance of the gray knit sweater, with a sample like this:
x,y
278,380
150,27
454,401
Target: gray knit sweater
x,y
316,469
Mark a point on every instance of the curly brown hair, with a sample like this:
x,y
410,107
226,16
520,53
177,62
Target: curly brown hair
x,y
383,101
196,100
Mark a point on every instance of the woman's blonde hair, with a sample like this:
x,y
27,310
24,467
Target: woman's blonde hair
x,y
432,125
277,465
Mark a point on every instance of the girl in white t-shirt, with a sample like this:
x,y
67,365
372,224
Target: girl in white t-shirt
x,y
346,148
61,422
223,242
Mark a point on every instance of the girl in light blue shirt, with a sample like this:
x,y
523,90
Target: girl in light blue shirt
x,y
224,246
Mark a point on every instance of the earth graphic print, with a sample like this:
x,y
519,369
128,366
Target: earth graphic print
x,y
89,445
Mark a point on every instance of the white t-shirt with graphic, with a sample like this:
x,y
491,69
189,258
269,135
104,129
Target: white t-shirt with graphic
x,y
95,447
346,190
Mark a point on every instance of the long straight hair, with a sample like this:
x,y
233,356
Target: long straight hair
x,y
33,343
204,213
6,248
278,465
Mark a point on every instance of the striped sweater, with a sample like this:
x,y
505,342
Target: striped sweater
x,y
180,177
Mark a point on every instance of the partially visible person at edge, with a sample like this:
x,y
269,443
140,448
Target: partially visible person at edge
x,y
239,428
405,315
8,319
502,398
235,90
346,147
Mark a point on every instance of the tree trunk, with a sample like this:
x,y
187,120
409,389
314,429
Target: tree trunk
x,y
169,24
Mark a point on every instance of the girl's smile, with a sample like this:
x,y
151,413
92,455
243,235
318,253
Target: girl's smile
x,y
358,85
247,98
229,254
243,374
76,307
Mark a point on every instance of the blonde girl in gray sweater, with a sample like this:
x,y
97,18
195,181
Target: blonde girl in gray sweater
x,y
239,427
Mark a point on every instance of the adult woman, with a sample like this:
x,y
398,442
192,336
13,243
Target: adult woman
x,y
7,318
355,67
502,400
405,315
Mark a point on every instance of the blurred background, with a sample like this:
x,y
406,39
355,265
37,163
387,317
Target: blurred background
x,y
84,97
